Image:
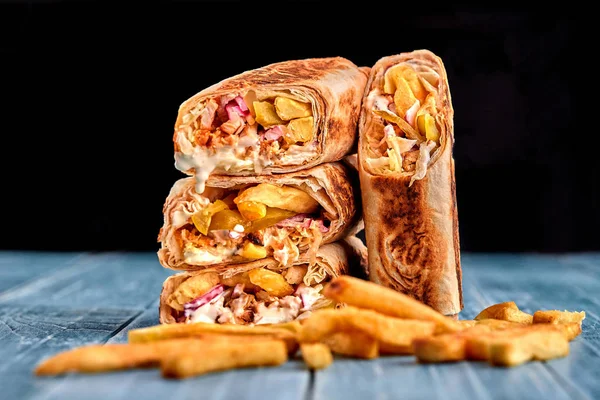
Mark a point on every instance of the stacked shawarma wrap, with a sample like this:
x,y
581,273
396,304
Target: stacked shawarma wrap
x,y
263,219
406,171
280,118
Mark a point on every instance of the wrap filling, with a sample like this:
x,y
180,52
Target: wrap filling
x,y
256,297
244,132
405,100
249,223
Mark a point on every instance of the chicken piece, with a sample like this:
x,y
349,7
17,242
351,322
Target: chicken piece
x,y
242,308
409,160
295,274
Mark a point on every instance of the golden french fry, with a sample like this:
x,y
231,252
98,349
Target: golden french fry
x,y
112,357
507,311
365,294
272,282
490,312
223,356
395,335
316,355
441,348
498,324
291,326
353,344
558,317
467,323
532,345
479,347
284,197
503,343
570,330
172,331
452,346
241,278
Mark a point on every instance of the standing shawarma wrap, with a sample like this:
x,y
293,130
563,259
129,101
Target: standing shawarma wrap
x,y
406,171
279,118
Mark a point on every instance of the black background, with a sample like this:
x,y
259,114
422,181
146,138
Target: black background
x,y
91,93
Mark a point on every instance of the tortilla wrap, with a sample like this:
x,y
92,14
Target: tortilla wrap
x,y
332,260
329,184
411,222
332,87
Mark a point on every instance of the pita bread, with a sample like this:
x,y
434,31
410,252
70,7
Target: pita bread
x,y
332,260
412,230
334,86
330,184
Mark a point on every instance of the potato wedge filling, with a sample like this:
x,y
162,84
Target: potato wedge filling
x,y
250,223
244,132
255,297
405,103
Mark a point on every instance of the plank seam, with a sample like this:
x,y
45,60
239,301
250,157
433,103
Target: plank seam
x,y
571,389
123,326
310,389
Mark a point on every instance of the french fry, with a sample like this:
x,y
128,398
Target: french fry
x,y
112,357
480,347
353,344
173,331
450,347
364,294
292,326
558,317
508,344
532,345
446,347
223,356
467,323
570,330
507,311
498,324
316,355
395,335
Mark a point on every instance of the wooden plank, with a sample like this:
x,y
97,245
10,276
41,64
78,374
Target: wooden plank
x,y
86,303
290,381
402,377
19,267
584,261
533,282
536,283
148,318
119,280
28,336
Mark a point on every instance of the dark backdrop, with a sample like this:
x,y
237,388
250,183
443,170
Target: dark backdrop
x,y
91,93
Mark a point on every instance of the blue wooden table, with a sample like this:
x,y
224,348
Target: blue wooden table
x,y
51,302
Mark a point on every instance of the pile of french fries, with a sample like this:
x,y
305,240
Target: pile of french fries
x,y
369,321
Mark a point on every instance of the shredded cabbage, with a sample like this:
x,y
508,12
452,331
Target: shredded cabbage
x,y
425,149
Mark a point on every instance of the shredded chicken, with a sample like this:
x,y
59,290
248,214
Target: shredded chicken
x,y
238,307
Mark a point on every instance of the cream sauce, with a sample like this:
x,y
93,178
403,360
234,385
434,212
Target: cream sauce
x,y
227,158
195,256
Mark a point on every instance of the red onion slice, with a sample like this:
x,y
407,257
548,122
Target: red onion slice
x,y
204,299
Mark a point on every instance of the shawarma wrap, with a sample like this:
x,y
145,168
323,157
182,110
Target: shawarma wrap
x,y
254,293
243,220
406,170
279,118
